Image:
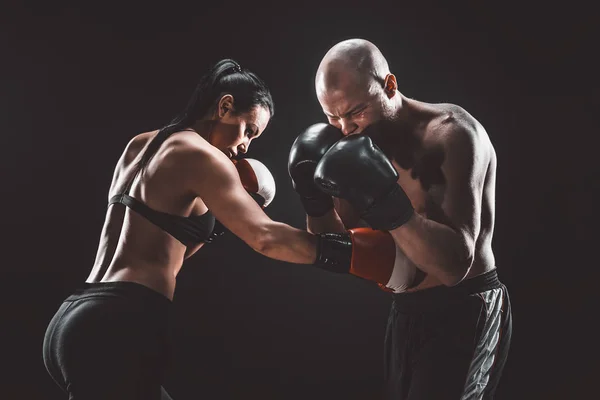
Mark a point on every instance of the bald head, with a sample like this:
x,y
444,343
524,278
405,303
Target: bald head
x,y
353,62
354,86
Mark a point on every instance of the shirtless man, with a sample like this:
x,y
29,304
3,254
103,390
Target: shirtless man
x,y
425,173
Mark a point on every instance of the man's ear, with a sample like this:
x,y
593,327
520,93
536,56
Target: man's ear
x,y
390,85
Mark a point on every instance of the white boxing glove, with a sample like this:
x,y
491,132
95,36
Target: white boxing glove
x,y
256,179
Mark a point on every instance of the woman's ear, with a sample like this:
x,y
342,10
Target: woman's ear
x,y
225,105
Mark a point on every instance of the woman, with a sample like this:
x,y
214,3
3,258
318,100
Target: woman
x,y
108,339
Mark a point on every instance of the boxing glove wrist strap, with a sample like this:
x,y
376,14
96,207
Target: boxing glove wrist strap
x,y
334,252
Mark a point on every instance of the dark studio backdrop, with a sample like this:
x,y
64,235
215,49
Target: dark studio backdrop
x,y
79,81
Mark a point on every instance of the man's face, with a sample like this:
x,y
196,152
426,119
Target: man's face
x,y
353,106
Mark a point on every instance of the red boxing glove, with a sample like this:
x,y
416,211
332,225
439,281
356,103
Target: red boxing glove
x,y
376,257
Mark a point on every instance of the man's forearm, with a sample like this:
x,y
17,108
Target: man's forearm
x,y
329,222
435,248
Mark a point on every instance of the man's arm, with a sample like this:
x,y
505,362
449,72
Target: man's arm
x,y
447,251
330,222
342,218
305,153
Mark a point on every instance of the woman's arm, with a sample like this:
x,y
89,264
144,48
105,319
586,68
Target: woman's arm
x,y
220,188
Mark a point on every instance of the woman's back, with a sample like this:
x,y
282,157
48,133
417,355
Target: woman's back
x,y
132,247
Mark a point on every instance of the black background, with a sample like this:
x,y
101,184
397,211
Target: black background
x,y
78,81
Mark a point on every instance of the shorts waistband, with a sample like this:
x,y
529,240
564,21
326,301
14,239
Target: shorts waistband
x,y
440,296
123,289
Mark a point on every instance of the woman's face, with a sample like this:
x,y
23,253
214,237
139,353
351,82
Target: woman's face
x,y
232,132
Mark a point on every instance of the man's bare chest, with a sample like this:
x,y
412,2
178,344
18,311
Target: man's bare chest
x,y
424,185
424,188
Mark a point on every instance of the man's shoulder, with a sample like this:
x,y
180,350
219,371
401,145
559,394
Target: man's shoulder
x,y
453,125
451,117
461,136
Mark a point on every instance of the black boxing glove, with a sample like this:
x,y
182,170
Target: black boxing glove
x,y
356,169
306,151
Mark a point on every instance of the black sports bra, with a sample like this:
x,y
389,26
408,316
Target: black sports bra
x,y
190,231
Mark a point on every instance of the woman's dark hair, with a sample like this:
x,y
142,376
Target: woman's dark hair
x,y
224,77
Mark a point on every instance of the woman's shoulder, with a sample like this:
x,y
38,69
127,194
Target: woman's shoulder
x,y
190,143
136,144
177,143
